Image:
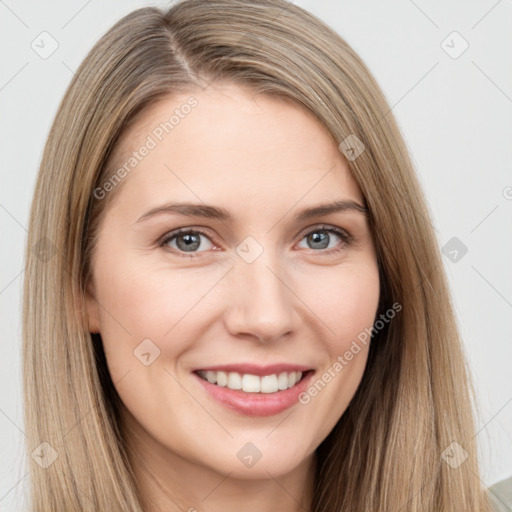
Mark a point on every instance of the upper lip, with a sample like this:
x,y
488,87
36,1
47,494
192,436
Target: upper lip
x,y
254,369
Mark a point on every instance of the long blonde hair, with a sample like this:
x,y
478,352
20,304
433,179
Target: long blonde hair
x,y
415,398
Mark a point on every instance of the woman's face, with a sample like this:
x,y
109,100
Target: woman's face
x,y
255,288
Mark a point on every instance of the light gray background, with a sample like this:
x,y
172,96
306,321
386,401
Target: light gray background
x,y
455,114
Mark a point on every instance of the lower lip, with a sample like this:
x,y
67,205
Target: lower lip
x,y
257,404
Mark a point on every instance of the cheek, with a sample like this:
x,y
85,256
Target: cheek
x,y
141,302
346,305
345,301
353,315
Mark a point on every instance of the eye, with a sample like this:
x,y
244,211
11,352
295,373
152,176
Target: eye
x,y
321,237
186,240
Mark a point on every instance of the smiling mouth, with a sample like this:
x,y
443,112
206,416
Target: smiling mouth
x,y
250,383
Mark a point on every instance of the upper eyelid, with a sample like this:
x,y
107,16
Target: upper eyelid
x,y
325,227
175,232
205,232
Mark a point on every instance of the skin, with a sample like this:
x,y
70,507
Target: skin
x,y
263,159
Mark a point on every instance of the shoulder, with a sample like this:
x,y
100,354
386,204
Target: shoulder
x,y
500,495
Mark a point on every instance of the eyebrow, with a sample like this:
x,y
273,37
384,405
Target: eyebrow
x,y
215,212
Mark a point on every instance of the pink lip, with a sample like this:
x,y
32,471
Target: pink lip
x,y
255,369
256,404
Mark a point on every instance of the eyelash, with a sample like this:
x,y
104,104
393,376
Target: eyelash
x,y
344,235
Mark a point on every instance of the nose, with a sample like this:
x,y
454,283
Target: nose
x,y
260,300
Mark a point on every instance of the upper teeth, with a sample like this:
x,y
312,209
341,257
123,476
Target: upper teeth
x,y
252,383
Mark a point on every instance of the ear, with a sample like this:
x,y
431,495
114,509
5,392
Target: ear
x,y
92,309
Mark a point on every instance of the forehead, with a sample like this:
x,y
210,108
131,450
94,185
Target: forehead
x,y
226,140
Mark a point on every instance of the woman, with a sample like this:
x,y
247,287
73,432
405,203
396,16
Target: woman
x,y
188,345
